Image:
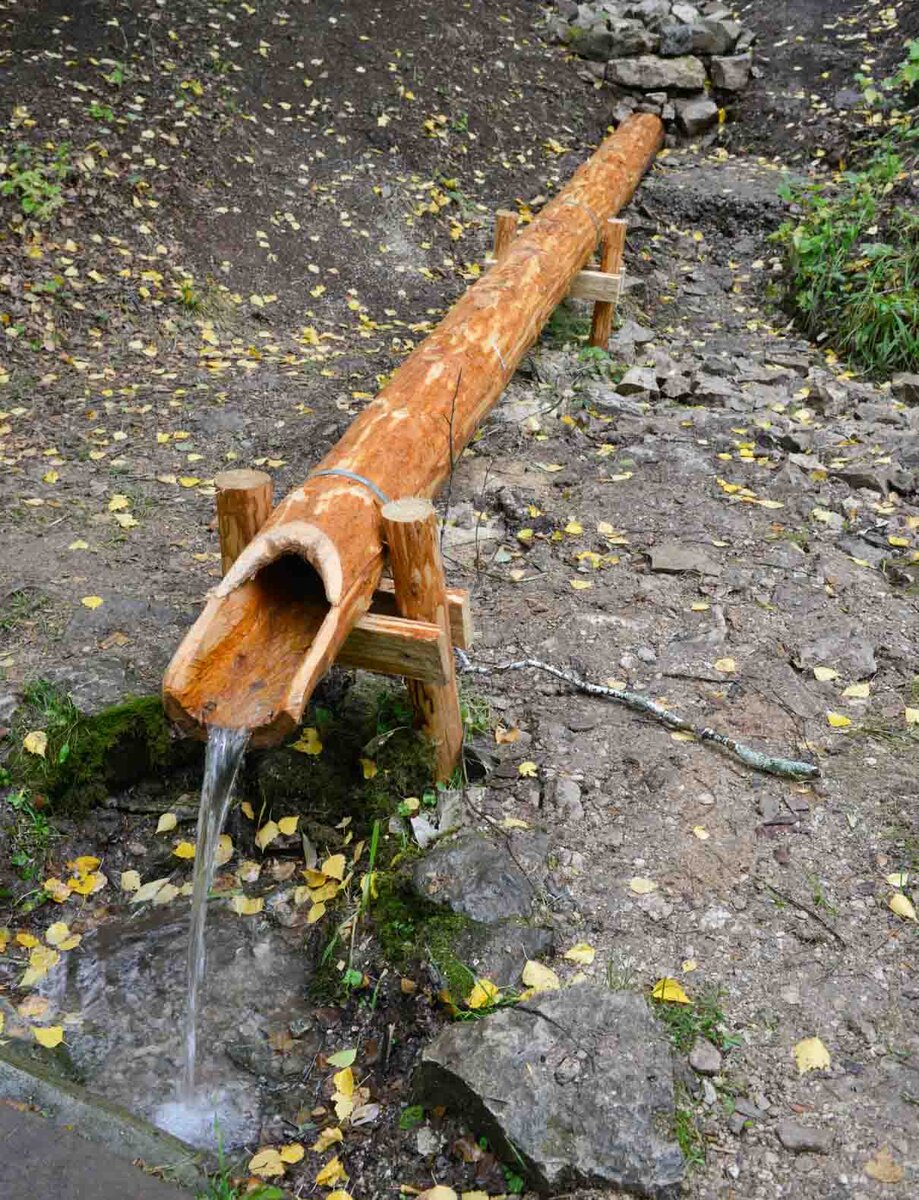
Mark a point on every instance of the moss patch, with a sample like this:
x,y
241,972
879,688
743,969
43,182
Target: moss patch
x,y
89,756
411,930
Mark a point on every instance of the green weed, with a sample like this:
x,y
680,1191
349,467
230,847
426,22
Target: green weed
x,y
703,1018
686,1130
851,254
36,178
29,835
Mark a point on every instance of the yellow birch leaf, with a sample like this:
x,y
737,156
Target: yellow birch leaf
x,y
837,720
344,1081
224,850
514,823
27,940
57,933
309,742
825,674
483,994
48,1036
316,913
167,822
332,1172
902,906
894,540
148,891
580,585
701,833
539,978
439,1192
79,544
184,850
581,952
247,810
811,1055
166,893
527,770
334,867
884,1168
266,1163
642,887
36,742
84,864
266,835
328,1137
911,715
57,890
92,601
292,1152
130,881
339,1193
669,990
368,767
857,691
899,879
288,825
247,906
700,606
118,503
726,665
688,965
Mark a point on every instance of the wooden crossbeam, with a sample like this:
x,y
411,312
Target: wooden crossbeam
x,y
595,285
396,646
459,610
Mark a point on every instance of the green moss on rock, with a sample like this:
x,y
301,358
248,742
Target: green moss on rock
x,y
88,756
412,930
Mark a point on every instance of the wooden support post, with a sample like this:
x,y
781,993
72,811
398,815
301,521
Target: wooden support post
x,y
612,246
243,506
410,530
505,232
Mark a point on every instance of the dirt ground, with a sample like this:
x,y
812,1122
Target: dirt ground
x,y
271,204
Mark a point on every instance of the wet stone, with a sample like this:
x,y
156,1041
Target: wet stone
x,y
482,879
586,1088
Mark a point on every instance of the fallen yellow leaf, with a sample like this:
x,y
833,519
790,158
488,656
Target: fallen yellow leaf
x,y
641,887
247,906
334,867
48,1036
292,1152
92,601
902,906
884,1168
825,674
811,1055
581,952
328,1137
670,991
266,835
837,720
539,978
266,1163
726,665
857,691
57,890
309,742
527,770
184,850
701,833
130,881
332,1172
483,994
288,825
36,742
167,822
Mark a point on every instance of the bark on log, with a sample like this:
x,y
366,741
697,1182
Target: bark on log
x,y
243,507
275,623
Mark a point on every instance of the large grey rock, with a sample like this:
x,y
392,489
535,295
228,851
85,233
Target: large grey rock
x,y
483,879
685,13
731,74
696,115
714,36
500,952
631,37
575,1085
595,43
675,557
649,12
845,647
905,387
676,39
648,73
637,380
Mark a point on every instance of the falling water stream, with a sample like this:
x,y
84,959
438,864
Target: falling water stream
x,y
225,749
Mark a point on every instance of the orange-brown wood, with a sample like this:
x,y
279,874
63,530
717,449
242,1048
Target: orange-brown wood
x,y
612,248
410,531
460,610
257,650
394,646
243,507
505,232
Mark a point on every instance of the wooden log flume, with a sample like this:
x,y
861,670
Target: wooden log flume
x,y
274,625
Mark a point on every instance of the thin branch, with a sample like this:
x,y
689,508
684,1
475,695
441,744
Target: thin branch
x,y
786,767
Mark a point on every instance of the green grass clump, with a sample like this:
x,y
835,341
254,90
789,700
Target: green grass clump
x,y
851,253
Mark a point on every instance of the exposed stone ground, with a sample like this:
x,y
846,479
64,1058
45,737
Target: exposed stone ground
x,y
741,511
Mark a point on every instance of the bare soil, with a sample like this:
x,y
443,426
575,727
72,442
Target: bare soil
x,y
273,203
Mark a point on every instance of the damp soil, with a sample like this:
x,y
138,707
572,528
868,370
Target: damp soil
x,y
275,203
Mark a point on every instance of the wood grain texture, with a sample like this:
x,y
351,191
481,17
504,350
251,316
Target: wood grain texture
x,y
612,248
505,232
246,660
410,530
243,506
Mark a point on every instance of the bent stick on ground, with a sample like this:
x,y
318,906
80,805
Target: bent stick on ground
x,y
789,768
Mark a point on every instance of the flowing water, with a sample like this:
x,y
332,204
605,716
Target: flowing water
x,y
225,749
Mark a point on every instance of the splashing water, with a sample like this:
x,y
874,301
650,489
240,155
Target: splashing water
x,y
225,749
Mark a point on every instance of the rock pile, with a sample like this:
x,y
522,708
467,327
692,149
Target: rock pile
x,y
674,60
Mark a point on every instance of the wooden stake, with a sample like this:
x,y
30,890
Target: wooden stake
x,y
410,530
612,246
505,231
243,506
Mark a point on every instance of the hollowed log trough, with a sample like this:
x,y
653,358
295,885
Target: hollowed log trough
x,y
284,610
